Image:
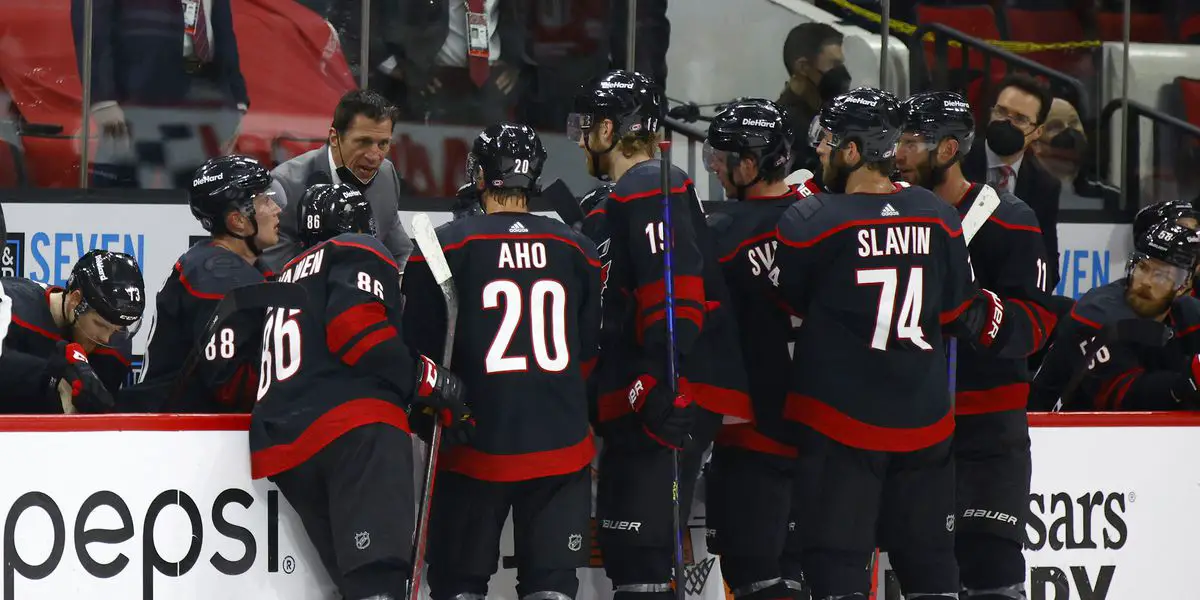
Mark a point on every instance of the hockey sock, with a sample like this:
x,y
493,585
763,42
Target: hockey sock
x,y
1015,591
644,596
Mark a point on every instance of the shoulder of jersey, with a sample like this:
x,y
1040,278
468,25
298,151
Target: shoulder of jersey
x,y
361,242
1189,313
213,269
1103,305
645,178
1014,210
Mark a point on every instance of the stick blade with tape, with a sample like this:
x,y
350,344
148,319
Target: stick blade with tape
x,y
563,202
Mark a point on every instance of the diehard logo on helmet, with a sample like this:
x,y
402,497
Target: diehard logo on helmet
x,y
208,179
616,84
862,101
757,123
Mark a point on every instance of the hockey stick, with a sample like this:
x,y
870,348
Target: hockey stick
x,y
431,249
268,294
1139,332
564,203
668,236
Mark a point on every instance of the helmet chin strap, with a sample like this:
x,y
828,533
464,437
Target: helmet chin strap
x,y
731,163
937,173
596,155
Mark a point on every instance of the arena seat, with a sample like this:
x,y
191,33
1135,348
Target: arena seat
x,y
977,21
1143,27
1189,30
1048,27
1189,93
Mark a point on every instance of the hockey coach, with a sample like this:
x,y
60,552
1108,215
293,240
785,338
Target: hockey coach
x,y
360,138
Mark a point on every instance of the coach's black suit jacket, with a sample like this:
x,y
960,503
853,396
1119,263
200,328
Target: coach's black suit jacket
x,y
1036,187
137,52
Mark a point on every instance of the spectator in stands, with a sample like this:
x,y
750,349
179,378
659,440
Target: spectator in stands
x,y
1018,117
359,139
651,38
1062,149
816,66
461,60
162,55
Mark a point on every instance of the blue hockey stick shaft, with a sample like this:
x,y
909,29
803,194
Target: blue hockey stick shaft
x,y
668,238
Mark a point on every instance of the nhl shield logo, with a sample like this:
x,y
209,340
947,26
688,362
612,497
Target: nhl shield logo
x,y
574,542
362,540
950,523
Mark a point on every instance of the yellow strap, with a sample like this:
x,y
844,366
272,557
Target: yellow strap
x,y
1017,47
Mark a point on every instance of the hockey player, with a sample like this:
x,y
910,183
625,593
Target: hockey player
x,y
528,320
1119,374
336,384
66,350
616,121
1008,257
229,196
875,272
748,147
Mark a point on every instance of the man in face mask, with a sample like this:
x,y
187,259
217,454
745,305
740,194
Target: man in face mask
x,y
1017,119
816,66
360,138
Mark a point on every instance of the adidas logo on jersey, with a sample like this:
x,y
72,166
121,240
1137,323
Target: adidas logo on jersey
x,y
889,211
517,228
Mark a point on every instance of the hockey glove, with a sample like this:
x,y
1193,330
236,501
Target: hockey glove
x,y
1186,390
86,393
668,421
983,321
442,392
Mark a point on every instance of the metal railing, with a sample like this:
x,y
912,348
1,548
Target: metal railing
x,y
1168,134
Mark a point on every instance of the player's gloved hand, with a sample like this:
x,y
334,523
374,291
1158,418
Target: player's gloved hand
x,y
421,421
1186,391
442,392
666,419
982,322
87,394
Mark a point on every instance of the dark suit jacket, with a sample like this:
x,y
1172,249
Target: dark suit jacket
x,y
421,27
1036,187
137,51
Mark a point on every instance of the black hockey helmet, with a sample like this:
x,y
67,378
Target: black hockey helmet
x,y
1170,210
593,198
111,284
507,156
940,115
868,116
633,102
329,210
751,128
223,184
1169,243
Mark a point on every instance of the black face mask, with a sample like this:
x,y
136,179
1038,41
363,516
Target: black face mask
x,y
1069,139
348,177
1004,138
834,83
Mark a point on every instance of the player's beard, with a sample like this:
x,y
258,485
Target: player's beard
x,y
1142,302
928,175
835,176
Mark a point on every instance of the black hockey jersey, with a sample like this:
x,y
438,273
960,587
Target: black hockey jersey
x,y
226,375
628,231
29,342
746,245
526,334
1119,375
1008,257
339,365
875,278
